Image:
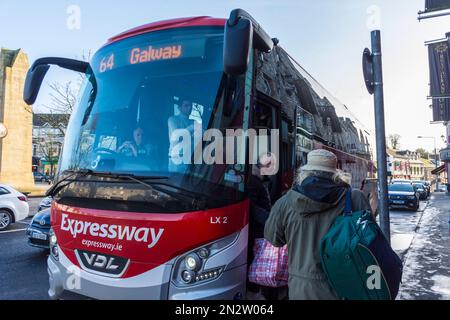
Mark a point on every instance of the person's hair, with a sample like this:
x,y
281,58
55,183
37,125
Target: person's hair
x,y
338,177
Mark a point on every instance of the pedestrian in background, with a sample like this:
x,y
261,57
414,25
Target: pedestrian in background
x,y
303,216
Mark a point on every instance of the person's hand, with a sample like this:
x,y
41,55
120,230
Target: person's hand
x,y
127,145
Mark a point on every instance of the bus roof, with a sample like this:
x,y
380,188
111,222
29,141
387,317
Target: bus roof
x,y
169,24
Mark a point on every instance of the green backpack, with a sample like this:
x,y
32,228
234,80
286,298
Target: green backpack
x,y
358,260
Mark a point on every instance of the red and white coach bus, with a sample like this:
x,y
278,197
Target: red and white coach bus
x,y
129,223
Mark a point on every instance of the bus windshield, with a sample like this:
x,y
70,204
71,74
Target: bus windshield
x,y
139,92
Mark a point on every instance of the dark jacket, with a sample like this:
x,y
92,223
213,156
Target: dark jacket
x,y
300,219
260,206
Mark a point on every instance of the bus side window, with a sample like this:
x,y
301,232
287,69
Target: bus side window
x,y
287,155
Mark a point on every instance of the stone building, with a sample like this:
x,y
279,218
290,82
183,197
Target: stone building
x,y
17,117
415,167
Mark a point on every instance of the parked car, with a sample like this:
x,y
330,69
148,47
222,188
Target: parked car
x,y
401,181
426,184
13,206
45,204
403,196
442,188
40,177
38,232
422,190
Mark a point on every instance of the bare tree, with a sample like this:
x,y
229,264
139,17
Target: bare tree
x,y
62,104
64,98
394,140
423,153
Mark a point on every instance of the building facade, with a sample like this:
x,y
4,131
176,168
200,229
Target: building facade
x,y
16,116
48,138
409,165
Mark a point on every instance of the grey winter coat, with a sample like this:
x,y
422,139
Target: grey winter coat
x,y
301,222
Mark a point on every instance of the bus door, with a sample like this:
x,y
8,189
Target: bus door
x,y
266,116
287,153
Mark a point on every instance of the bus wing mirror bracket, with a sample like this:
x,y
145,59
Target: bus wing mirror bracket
x,y
237,45
39,69
243,32
33,83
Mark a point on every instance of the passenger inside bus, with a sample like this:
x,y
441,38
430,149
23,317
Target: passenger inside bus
x,y
179,122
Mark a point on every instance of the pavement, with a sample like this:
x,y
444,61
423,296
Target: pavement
x,y
23,269
426,274
403,228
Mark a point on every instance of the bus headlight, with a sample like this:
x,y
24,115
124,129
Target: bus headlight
x,y
190,269
188,276
54,245
203,253
192,262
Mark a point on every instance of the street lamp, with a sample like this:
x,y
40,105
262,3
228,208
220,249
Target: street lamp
x,y
435,159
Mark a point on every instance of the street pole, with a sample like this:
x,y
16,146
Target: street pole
x,y
448,147
380,133
436,165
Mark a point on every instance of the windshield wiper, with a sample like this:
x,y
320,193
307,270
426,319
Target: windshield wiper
x,y
194,199
189,199
87,172
58,185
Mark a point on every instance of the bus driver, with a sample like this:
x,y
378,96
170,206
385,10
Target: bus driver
x,y
134,148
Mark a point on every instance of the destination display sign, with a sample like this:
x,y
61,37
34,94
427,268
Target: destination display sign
x,y
115,57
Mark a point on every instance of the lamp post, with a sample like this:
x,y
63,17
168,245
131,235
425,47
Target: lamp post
x,y
435,159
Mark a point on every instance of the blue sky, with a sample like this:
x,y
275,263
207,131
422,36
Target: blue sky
x,y
325,36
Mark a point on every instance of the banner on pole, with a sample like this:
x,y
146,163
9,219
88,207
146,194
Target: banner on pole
x,y
439,59
436,5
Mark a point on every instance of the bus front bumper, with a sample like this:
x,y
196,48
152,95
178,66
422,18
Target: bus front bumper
x,y
67,281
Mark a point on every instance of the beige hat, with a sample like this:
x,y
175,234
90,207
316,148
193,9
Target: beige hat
x,y
321,160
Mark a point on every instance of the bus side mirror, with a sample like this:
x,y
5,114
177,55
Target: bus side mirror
x,y
39,69
237,47
33,83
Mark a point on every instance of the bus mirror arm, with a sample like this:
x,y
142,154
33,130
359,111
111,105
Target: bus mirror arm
x,y
261,39
242,32
39,69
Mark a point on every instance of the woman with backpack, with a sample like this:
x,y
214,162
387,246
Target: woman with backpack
x,y
303,217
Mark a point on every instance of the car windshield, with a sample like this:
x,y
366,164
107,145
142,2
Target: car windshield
x,y
143,90
401,187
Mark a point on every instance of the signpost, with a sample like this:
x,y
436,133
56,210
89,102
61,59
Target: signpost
x,y
373,77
